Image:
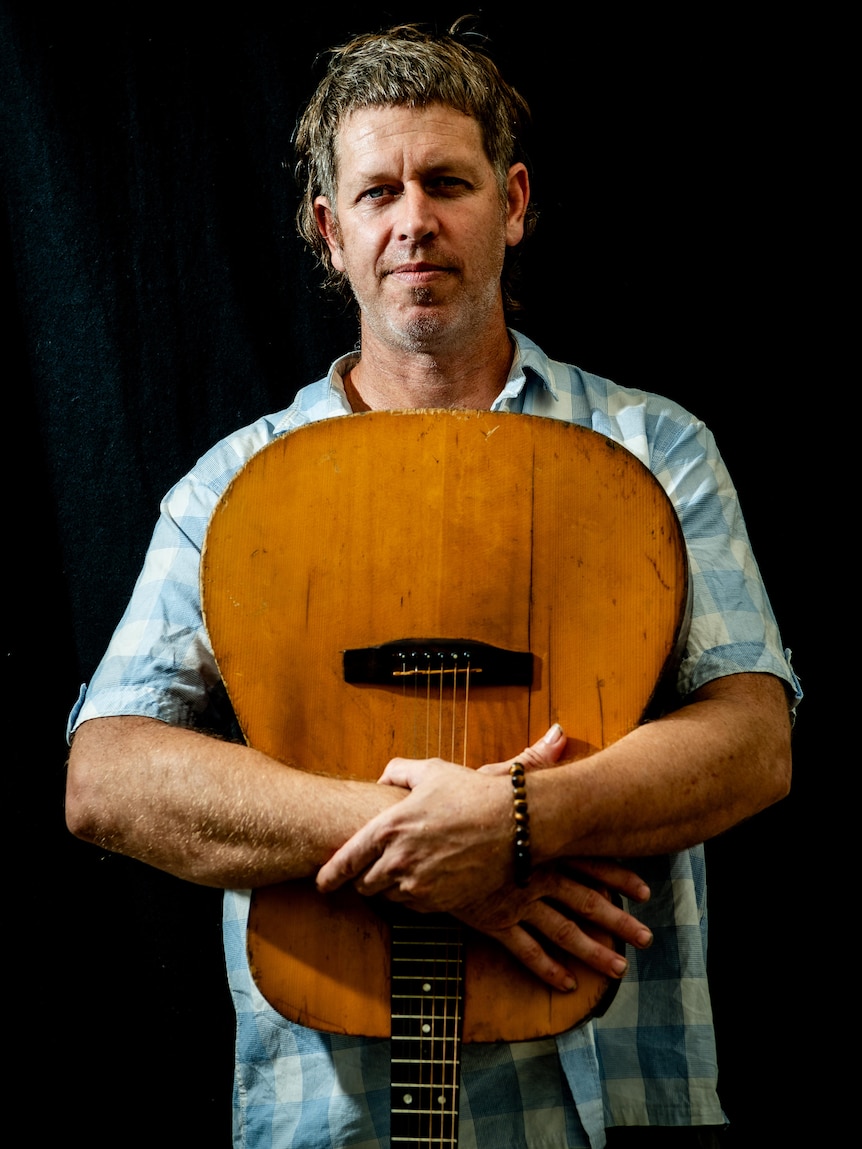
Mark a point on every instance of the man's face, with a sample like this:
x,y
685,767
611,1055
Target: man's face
x,y
419,226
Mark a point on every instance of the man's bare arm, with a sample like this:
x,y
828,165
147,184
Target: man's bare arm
x,y
220,814
673,783
666,786
209,811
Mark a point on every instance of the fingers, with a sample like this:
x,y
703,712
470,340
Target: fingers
x,y
612,874
542,754
356,855
567,935
562,918
527,950
593,906
406,772
550,928
546,751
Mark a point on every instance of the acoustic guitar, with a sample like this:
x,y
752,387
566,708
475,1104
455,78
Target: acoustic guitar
x,y
428,583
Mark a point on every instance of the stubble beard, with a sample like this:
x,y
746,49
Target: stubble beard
x,y
431,327
423,329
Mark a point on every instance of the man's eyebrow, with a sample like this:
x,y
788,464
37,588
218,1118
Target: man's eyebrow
x,y
463,165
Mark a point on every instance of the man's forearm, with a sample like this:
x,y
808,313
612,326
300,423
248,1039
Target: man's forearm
x,y
208,811
667,785
672,783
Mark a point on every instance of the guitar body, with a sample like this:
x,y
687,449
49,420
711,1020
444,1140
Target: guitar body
x,y
521,534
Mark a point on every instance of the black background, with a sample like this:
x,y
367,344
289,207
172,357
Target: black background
x,y
157,298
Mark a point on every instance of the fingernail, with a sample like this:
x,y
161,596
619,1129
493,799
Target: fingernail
x,y
569,983
554,733
643,939
620,966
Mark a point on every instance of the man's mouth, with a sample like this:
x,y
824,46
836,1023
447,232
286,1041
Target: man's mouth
x,y
419,272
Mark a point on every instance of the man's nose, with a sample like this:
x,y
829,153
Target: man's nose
x,y
418,221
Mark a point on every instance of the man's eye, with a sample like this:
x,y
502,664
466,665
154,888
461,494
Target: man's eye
x,y
448,183
377,193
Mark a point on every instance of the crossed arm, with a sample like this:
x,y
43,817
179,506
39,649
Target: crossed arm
x,y
435,835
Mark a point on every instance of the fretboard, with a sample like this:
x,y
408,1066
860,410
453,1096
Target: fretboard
x,y
427,1001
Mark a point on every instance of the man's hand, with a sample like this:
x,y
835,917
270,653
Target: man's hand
x,y
555,908
448,847
448,842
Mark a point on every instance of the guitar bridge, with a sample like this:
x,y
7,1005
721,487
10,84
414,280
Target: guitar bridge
x,y
393,662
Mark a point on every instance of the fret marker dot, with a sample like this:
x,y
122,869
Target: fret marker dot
x,y
408,1098
426,987
426,1028
441,1100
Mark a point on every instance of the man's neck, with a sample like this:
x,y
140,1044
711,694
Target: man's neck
x,y
389,378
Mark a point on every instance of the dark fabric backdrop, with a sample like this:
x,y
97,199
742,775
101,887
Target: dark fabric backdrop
x,y
157,297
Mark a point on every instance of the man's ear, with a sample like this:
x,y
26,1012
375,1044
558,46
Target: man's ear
x,y
327,225
519,199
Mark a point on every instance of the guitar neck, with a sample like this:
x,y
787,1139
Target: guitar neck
x,y
427,1010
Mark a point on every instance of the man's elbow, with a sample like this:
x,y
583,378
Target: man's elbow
x,y
82,817
759,727
779,756
89,810
783,772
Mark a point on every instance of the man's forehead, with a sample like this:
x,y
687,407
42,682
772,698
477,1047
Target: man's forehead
x,y
370,131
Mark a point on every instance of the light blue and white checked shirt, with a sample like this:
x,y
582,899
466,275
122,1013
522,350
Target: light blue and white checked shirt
x,y
651,1059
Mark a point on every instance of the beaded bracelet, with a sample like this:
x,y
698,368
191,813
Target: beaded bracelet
x,y
523,859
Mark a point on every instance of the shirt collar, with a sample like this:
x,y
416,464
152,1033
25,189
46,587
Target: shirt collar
x,y
529,366
337,372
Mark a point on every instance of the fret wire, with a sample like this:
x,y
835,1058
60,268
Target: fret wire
x,y
409,1061
422,972
446,1023
417,1112
426,1090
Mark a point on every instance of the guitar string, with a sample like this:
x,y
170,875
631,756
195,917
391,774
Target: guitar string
x,y
453,1099
447,1099
444,1098
441,1073
459,956
433,1086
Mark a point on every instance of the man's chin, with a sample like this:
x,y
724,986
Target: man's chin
x,y
421,329
427,327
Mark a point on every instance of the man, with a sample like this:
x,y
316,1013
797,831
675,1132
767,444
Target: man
x,y
415,193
